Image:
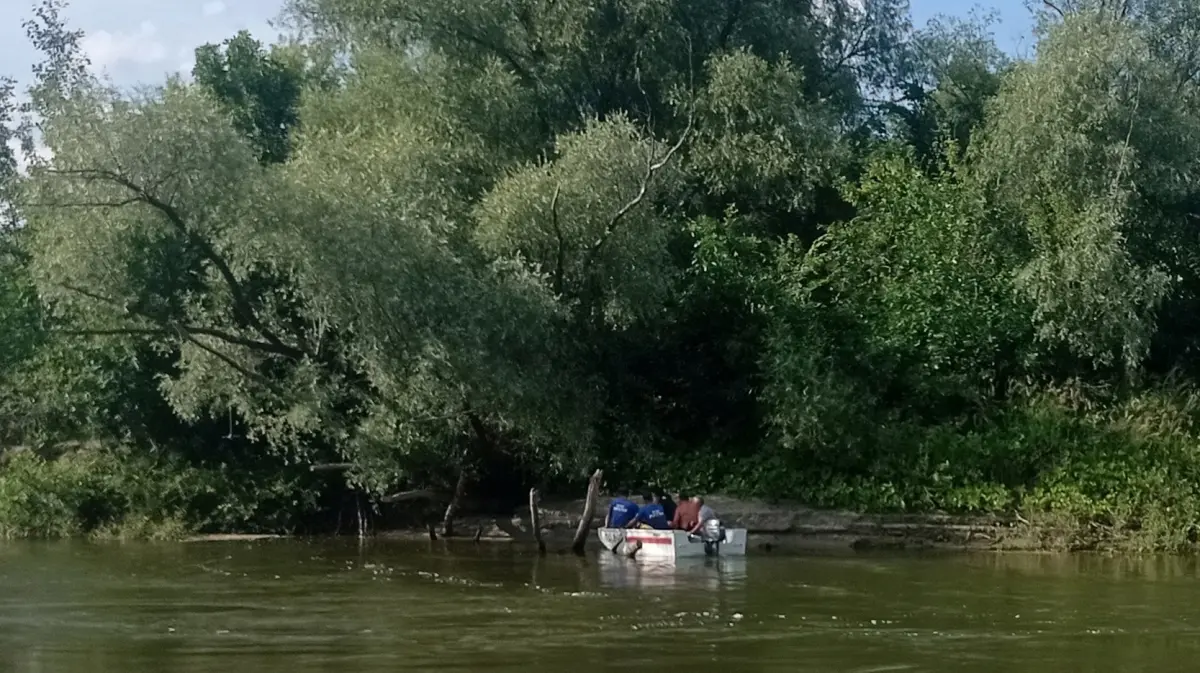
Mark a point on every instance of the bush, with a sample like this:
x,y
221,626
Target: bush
x,y
121,493
1104,471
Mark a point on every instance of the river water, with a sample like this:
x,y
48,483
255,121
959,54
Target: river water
x,y
335,605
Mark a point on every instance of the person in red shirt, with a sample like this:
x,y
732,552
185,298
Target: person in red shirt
x,y
687,513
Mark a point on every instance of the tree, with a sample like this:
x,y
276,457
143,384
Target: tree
x,y
1092,149
260,90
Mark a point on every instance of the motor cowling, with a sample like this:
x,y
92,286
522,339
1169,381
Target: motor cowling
x,y
713,534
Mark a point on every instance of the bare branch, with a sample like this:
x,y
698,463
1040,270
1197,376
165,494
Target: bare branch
x,y
1054,8
1137,101
652,170
331,467
562,243
858,47
180,332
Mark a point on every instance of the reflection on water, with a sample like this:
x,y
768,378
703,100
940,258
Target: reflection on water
x,y
326,606
701,574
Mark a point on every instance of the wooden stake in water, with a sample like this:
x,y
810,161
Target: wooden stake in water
x,y
589,511
535,521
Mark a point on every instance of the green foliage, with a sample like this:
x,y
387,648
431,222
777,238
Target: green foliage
x,y
583,222
759,137
786,249
127,493
261,90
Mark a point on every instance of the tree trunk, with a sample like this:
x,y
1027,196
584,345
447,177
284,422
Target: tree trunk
x,y
589,511
460,490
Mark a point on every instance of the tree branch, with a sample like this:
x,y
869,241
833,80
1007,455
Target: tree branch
x,y
223,358
464,34
1055,8
167,327
241,303
858,48
178,331
652,169
119,331
562,243
88,204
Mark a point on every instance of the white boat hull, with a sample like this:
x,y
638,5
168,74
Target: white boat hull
x,y
668,545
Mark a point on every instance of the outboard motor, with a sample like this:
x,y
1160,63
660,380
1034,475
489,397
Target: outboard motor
x,y
713,534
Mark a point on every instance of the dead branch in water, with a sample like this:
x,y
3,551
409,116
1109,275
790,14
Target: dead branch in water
x,y
535,521
460,489
589,511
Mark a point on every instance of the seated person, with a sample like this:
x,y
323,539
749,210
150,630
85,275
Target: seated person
x,y
704,516
652,514
667,503
687,514
622,512
704,512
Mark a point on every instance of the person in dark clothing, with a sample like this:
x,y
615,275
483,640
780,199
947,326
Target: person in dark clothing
x,y
667,503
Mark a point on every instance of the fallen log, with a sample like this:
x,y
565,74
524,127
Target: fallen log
x,y
417,494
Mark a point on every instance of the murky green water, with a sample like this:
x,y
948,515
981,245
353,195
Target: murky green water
x,y
329,606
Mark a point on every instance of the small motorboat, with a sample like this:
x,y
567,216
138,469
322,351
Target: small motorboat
x,y
667,545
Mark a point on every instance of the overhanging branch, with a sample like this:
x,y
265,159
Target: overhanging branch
x,y
241,303
165,327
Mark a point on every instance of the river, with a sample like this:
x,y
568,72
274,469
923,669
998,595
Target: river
x,y
334,605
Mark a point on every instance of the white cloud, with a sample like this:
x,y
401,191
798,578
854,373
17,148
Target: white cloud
x,y
106,49
187,61
213,8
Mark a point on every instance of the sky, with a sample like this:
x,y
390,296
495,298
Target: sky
x,y
140,41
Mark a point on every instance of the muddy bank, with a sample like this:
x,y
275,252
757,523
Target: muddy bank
x,y
782,527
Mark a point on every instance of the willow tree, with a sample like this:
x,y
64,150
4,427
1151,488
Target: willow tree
x,y
465,352
1092,147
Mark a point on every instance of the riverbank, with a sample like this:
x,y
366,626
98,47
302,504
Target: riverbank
x,y
121,494
794,527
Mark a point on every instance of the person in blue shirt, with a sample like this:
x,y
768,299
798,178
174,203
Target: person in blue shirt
x,y
652,514
622,512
